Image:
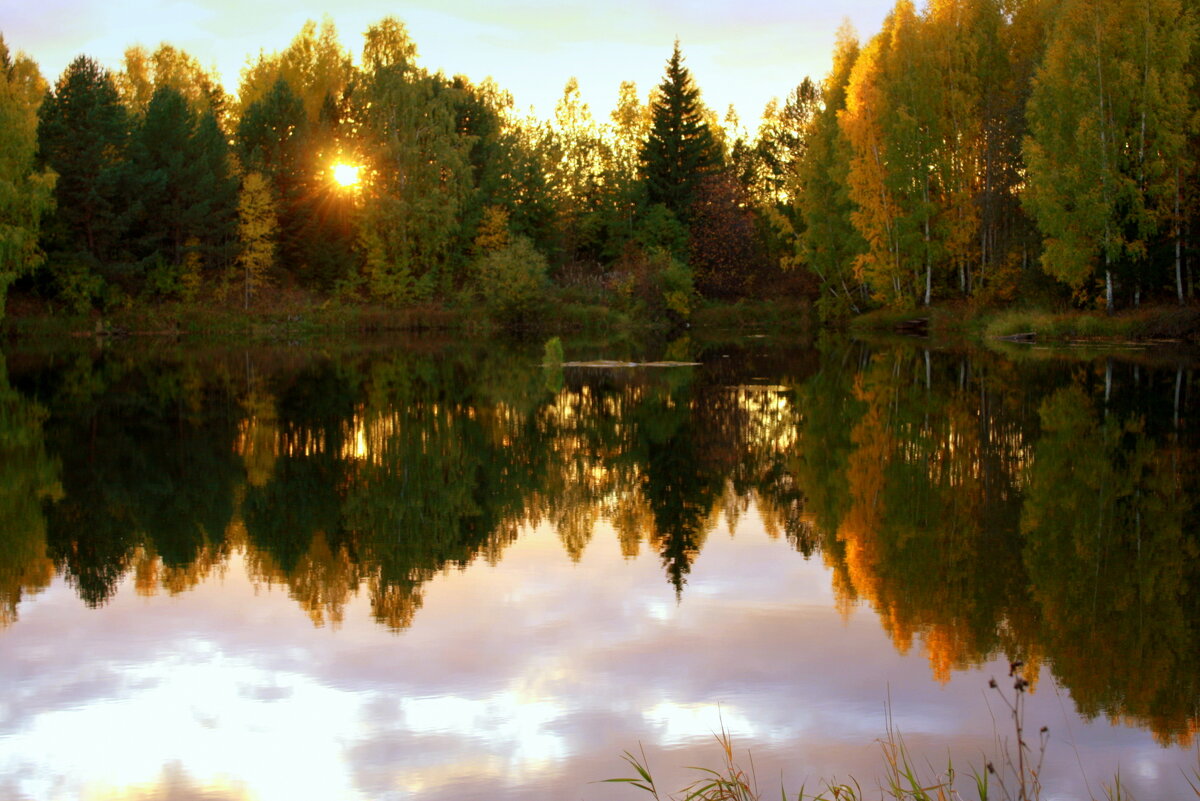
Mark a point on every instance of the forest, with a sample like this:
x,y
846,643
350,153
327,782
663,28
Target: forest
x,y
983,151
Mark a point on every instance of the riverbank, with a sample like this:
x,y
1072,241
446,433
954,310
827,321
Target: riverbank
x,y
1148,324
297,315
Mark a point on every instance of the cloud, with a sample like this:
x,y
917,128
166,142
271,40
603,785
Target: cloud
x,y
524,679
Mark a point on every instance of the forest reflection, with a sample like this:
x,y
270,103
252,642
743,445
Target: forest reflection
x,y
1039,509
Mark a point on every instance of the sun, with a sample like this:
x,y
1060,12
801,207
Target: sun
x,y
346,175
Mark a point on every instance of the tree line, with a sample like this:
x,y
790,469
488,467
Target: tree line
x,y
971,149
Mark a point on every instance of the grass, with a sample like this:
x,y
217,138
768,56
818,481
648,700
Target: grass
x,y
775,315
288,315
1014,774
987,324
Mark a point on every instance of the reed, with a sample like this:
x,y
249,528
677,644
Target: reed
x,y
1013,775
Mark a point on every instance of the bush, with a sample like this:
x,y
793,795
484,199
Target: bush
x,y
78,284
512,281
655,285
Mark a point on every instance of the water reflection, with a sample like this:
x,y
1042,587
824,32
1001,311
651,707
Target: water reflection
x,y
981,507
29,477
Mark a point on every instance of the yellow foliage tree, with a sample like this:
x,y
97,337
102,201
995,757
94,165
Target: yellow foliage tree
x,y
25,192
493,230
258,228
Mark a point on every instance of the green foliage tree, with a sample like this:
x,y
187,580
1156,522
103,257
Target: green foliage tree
x,y
26,193
274,138
419,168
512,281
830,242
83,133
185,194
780,146
680,146
1108,118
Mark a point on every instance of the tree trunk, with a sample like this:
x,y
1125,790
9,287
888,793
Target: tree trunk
x,y
1178,245
1108,283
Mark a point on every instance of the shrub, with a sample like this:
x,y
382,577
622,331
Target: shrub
x,y
655,284
512,281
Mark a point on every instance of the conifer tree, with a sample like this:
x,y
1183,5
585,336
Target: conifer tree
x,y
213,219
163,170
185,196
82,135
681,146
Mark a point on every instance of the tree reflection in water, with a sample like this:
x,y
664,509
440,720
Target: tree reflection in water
x,y
981,506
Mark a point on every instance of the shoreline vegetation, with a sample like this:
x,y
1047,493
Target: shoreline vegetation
x,y
995,169
1014,772
300,316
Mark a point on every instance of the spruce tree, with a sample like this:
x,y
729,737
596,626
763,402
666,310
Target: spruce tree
x,y
680,148
162,169
83,130
274,139
213,218
186,198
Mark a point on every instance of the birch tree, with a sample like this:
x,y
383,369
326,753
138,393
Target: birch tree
x,y
1108,118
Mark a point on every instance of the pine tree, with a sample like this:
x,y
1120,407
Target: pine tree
x,y
82,135
186,199
681,146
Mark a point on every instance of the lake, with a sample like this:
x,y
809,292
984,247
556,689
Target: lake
x,y
419,569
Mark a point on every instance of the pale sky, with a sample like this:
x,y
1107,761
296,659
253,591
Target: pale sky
x,y
522,680
742,52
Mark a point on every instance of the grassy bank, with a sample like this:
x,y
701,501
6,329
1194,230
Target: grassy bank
x,y
1014,772
783,315
982,325
286,316
292,315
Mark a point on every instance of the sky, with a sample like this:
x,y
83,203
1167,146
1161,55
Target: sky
x,y
520,680
740,52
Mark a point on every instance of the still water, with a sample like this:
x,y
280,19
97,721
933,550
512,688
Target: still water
x,y
437,571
